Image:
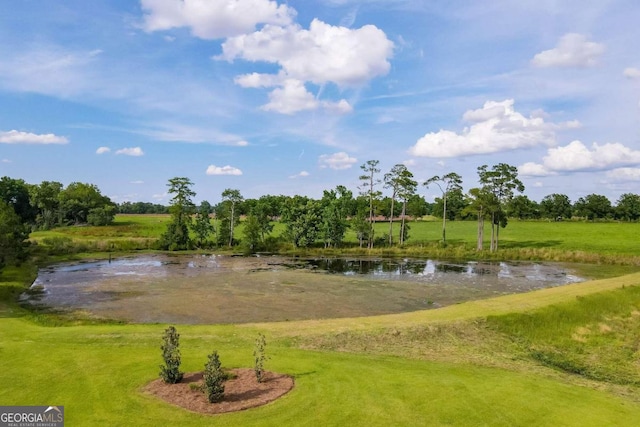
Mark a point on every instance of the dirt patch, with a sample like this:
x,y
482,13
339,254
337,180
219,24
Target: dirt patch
x,y
240,393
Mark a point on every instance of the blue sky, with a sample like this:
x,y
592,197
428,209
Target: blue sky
x,y
292,97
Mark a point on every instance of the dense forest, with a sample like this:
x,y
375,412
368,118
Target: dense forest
x,y
393,197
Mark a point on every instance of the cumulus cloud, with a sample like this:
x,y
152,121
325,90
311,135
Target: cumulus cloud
x,y
102,150
224,170
631,73
133,151
291,98
337,161
214,19
323,53
495,127
300,175
624,174
573,50
16,137
534,169
578,157
320,55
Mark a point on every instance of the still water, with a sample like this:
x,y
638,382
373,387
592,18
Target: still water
x,y
228,289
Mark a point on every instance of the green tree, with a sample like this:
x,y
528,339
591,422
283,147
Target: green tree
x,y
264,210
556,206
170,371
522,207
303,219
176,236
481,203
407,189
214,378
201,226
15,192
260,357
501,181
447,184
368,189
593,206
79,200
417,207
13,234
400,181
252,233
361,227
628,207
232,198
335,204
46,199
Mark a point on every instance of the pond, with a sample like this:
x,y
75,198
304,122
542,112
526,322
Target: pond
x,y
209,289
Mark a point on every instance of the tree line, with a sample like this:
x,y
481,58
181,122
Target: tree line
x,y
393,197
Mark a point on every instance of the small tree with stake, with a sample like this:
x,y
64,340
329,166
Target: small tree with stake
x,y
170,372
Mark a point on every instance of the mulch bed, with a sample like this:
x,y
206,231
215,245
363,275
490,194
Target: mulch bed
x,y
240,393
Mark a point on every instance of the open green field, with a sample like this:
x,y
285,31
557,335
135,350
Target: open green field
x,y
563,356
590,241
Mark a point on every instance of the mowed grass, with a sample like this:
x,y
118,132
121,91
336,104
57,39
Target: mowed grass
x,y
98,373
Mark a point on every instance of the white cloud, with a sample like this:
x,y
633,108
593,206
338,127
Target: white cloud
x,y
573,50
16,137
624,174
321,54
102,150
340,107
337,161
300,175
224,170
577,157
496,127
242,143
137,182
6,161
632,73
291,98
533,169
214,19
133,151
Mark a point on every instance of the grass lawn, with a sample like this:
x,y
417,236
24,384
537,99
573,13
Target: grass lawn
x,y
97,373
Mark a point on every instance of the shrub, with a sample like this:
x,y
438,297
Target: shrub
x,y
260,357
214,379
170,372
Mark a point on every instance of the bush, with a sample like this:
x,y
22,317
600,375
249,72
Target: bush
x,y
214,379
170,372
260,357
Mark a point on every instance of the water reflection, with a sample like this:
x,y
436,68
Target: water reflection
x,y
407,268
